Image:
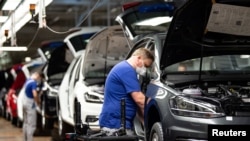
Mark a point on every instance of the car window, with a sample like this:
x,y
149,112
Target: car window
x,y
47,47
75,62
80,42
147,26
152,70
77,72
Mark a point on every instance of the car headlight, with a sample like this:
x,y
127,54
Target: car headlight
x,y
184,106
93,97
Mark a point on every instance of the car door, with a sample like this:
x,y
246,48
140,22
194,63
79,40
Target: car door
x,y
64,89
74,76
76,43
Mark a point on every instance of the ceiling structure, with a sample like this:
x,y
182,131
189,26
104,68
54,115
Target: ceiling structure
x,y
61,17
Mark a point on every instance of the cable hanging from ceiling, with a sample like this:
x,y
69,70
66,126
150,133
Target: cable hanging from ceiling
x,y
70,30
42,21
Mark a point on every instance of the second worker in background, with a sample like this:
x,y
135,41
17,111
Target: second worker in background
x,y
30,101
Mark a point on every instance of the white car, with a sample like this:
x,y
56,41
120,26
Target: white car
x,y
84,80
58,55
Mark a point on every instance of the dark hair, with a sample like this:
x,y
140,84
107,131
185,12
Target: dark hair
x,y
41,75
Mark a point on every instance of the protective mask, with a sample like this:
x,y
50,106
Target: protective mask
x,y
141,70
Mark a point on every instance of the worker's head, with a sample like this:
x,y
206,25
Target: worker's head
x,y
143,59
37,76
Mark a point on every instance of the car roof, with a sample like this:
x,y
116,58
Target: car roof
x,y
198,30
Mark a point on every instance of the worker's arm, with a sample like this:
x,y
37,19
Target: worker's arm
x,y
36,97
139,99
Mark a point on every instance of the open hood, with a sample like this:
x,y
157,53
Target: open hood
x,y
106,48
204,27
78,40
47,47
53,52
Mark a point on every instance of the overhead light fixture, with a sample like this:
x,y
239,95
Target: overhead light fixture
x,y
32,12
22,15
14,48
244,56
6,33
11,4
27,59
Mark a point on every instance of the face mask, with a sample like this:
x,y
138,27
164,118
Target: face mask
x,y
141,70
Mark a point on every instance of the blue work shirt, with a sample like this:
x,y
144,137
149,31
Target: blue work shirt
x,y
30,85
121,82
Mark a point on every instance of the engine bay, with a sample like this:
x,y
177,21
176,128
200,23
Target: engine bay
x,y
233,99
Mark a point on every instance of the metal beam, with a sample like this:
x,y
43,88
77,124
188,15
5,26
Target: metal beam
x,y
83,2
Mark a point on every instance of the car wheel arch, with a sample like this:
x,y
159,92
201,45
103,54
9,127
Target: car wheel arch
x,y
152,116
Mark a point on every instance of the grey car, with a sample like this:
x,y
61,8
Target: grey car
x,y
200,78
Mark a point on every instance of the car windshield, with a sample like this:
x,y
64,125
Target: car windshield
x,y
156,22
48,47
148,19
223,63
80,42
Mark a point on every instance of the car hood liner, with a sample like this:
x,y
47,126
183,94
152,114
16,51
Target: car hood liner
x,y
194,30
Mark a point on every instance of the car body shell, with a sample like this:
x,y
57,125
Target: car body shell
x,y
11,97
186,39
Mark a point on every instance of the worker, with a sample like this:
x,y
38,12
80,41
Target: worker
x,y
30,101
122,82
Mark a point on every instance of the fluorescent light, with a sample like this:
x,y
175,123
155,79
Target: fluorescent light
x,y
11,4
27,59
244,56
16,48
155,21
22,15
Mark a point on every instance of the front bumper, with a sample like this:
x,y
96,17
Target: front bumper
x,y
90,114
188,128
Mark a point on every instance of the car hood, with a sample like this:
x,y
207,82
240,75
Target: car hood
x,y
53,52
104,50
204,27
78,40
47,47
